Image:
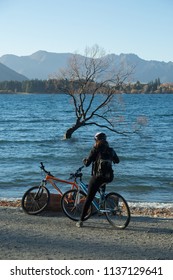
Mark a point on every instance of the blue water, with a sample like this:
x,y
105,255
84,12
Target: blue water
x,y
32,128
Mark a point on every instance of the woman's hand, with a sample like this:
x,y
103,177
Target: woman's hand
x,y
85,161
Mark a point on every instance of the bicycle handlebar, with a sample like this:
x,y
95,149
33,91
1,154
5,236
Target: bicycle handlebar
x,y
80,168
78,173
43,168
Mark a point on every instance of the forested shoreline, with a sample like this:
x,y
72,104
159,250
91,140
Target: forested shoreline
x,y
58,86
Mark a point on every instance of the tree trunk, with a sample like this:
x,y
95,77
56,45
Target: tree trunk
x,y
69,133
71,130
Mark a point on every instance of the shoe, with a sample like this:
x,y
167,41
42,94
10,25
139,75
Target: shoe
x,y
79,224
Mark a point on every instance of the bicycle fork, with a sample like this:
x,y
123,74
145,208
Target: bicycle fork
x,y
40,190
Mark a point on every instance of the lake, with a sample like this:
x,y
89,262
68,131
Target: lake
x,y
32,128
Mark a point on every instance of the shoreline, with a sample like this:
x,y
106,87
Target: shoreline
x,y
168,90
135,211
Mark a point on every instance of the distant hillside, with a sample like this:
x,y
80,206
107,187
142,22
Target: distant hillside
x,y
38,65
146,71
7,74
42,64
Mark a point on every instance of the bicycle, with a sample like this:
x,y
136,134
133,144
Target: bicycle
x,y
36,199
112,205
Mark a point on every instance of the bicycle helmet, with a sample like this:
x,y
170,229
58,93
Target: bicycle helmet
x,y
100,136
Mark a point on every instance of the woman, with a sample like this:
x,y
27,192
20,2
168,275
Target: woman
x,y
101,152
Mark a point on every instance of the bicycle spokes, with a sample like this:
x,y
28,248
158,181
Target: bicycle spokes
x,y
72,204
35,200
117,210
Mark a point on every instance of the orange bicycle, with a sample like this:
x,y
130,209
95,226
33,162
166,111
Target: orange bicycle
x,y
35,200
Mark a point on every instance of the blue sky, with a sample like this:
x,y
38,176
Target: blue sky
x,y
143,27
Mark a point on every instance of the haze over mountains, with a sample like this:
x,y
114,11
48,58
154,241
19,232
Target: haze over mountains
x,y
41,64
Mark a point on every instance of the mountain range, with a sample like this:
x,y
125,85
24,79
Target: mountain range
x,y
42,64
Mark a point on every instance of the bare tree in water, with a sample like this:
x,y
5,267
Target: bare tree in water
x,y
86,78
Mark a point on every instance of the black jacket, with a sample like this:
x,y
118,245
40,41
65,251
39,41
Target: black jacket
x,y
108,152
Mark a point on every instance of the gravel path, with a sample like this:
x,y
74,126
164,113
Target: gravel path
x,y
53,236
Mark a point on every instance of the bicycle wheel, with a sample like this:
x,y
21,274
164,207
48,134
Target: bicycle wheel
x,y
35,200
72,203
117,210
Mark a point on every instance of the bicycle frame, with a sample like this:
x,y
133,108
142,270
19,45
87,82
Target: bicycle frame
x,y
94,202
51,179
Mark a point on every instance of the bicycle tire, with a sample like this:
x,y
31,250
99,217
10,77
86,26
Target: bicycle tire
x,y
72,203
119,214
35,200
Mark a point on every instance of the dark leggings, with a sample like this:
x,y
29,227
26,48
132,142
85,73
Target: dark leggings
x,y
93,187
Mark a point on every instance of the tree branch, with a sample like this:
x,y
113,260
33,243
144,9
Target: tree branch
x,y
107,127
